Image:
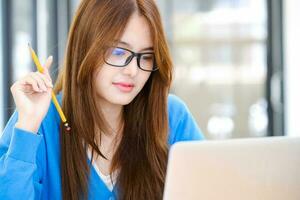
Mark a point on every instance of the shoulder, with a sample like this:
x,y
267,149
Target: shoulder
x,y
175,104
177,110
182,125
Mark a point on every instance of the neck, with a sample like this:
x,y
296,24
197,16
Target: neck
x,y
113,115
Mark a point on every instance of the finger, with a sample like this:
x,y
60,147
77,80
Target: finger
x,y
47,66
27,88
39,81
28,80
48,62
44,78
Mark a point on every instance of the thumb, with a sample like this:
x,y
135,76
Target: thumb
x,y
47,65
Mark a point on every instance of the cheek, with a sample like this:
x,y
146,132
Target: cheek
x,y
100,80
143,79
103,75
97,79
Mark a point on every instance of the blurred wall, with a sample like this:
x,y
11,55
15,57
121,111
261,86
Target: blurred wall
x,y
292,66
219,49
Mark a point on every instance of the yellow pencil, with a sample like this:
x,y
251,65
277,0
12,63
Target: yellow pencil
x,y
54,100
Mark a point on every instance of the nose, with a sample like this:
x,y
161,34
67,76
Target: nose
x,y
132,68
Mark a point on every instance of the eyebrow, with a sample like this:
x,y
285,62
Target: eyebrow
x,y
128,45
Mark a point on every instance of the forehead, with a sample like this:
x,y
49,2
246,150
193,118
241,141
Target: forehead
x,y
137,33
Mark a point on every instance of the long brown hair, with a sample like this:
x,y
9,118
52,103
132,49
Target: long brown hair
x,y
141,156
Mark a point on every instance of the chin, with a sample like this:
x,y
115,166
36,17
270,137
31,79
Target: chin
x,y
122,100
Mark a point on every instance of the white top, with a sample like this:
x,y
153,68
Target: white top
x,y
109,180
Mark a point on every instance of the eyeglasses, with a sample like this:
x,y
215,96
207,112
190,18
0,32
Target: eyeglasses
x,y
120,57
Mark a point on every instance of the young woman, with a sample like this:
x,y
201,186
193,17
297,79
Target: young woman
x,y
113,89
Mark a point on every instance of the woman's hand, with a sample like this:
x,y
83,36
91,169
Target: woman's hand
x,y
32,96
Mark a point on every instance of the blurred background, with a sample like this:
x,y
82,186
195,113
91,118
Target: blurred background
x,y
236,61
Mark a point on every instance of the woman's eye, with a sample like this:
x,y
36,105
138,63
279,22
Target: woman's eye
x,y
147,57
118,52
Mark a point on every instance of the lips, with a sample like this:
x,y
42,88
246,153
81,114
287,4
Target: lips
x,y
123,86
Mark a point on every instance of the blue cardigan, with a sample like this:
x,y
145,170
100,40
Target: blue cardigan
x,y
30,163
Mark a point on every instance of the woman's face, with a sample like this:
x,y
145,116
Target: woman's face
x,y
120,85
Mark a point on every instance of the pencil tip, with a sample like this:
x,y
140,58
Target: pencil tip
x,y
28,45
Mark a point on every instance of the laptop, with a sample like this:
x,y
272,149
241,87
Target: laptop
x,y
237,169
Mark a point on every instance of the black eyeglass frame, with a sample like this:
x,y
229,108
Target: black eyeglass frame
x,y
138,57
